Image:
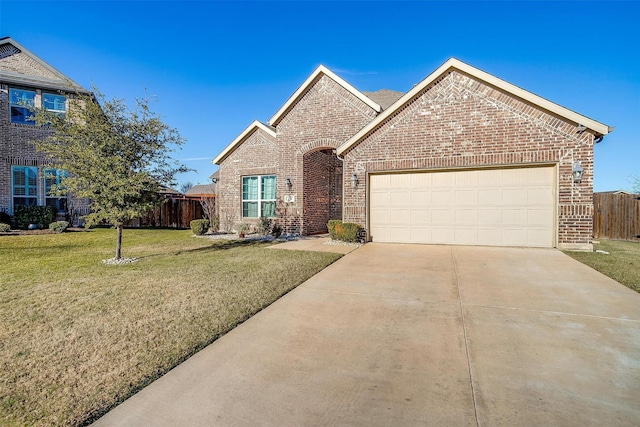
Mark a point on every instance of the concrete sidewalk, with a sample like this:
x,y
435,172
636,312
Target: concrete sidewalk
x,y
320,243
418,335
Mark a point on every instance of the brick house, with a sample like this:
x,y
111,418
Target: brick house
x,y
26,80
462,158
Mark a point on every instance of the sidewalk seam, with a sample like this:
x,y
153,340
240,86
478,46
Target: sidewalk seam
x,y
464,332
554,313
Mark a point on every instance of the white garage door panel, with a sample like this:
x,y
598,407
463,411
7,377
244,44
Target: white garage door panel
x,y
498,207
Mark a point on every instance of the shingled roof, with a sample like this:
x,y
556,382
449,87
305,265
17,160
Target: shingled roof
x,y
384,97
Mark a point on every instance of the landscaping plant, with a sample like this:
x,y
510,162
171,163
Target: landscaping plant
x,y
59,226
114,156
264,225
344,231
209,210
199,226
41,215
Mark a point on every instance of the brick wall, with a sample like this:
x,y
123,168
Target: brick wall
x,y
257,155
459,122
325,116
16,149
322,190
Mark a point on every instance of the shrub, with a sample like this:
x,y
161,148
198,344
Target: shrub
x,y
264,225
345,231
199,226
25,215
5,218
214,222
349,232
276,231
4,228
59,226
243,228
331,225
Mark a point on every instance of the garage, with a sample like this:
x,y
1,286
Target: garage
x,y
493,207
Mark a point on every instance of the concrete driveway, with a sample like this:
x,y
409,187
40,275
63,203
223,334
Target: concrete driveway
x,y
419,335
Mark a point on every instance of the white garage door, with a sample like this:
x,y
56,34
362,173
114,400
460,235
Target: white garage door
x,y
495,207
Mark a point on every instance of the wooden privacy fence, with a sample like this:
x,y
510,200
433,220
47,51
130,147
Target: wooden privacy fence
x,y
616,216
173,213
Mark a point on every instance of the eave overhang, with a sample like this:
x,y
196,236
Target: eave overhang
x,y
63,82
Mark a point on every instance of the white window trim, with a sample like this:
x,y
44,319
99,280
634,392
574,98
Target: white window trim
x,y
25,196
58,174
259,200
12,105
62,112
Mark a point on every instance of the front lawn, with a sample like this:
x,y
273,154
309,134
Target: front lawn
x,y
621,264
77,336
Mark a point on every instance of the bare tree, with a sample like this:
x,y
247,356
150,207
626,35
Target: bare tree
x,y
227,220
186,186
209,210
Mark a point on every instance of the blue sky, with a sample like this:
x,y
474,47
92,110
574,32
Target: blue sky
x,y
217,66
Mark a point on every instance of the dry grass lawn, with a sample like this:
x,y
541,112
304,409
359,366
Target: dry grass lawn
x,y
621,264
77,337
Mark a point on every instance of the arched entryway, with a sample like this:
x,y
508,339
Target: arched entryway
x,y
322,190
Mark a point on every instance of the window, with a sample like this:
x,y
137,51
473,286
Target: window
x,y
53,177
259,196
25,185
54,103
20,101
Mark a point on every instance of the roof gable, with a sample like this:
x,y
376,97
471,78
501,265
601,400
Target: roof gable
x,y
599,129
321,70
253,127
20,66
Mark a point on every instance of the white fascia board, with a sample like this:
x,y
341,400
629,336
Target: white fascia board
x,y
452,63
303,87
27,52
18,79
240,138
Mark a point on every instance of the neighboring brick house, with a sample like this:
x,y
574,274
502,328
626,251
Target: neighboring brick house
x,y
462,158
26,80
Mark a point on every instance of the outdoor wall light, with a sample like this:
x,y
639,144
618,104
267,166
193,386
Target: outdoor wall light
x,y
577,172
354,180
214,180
288,183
